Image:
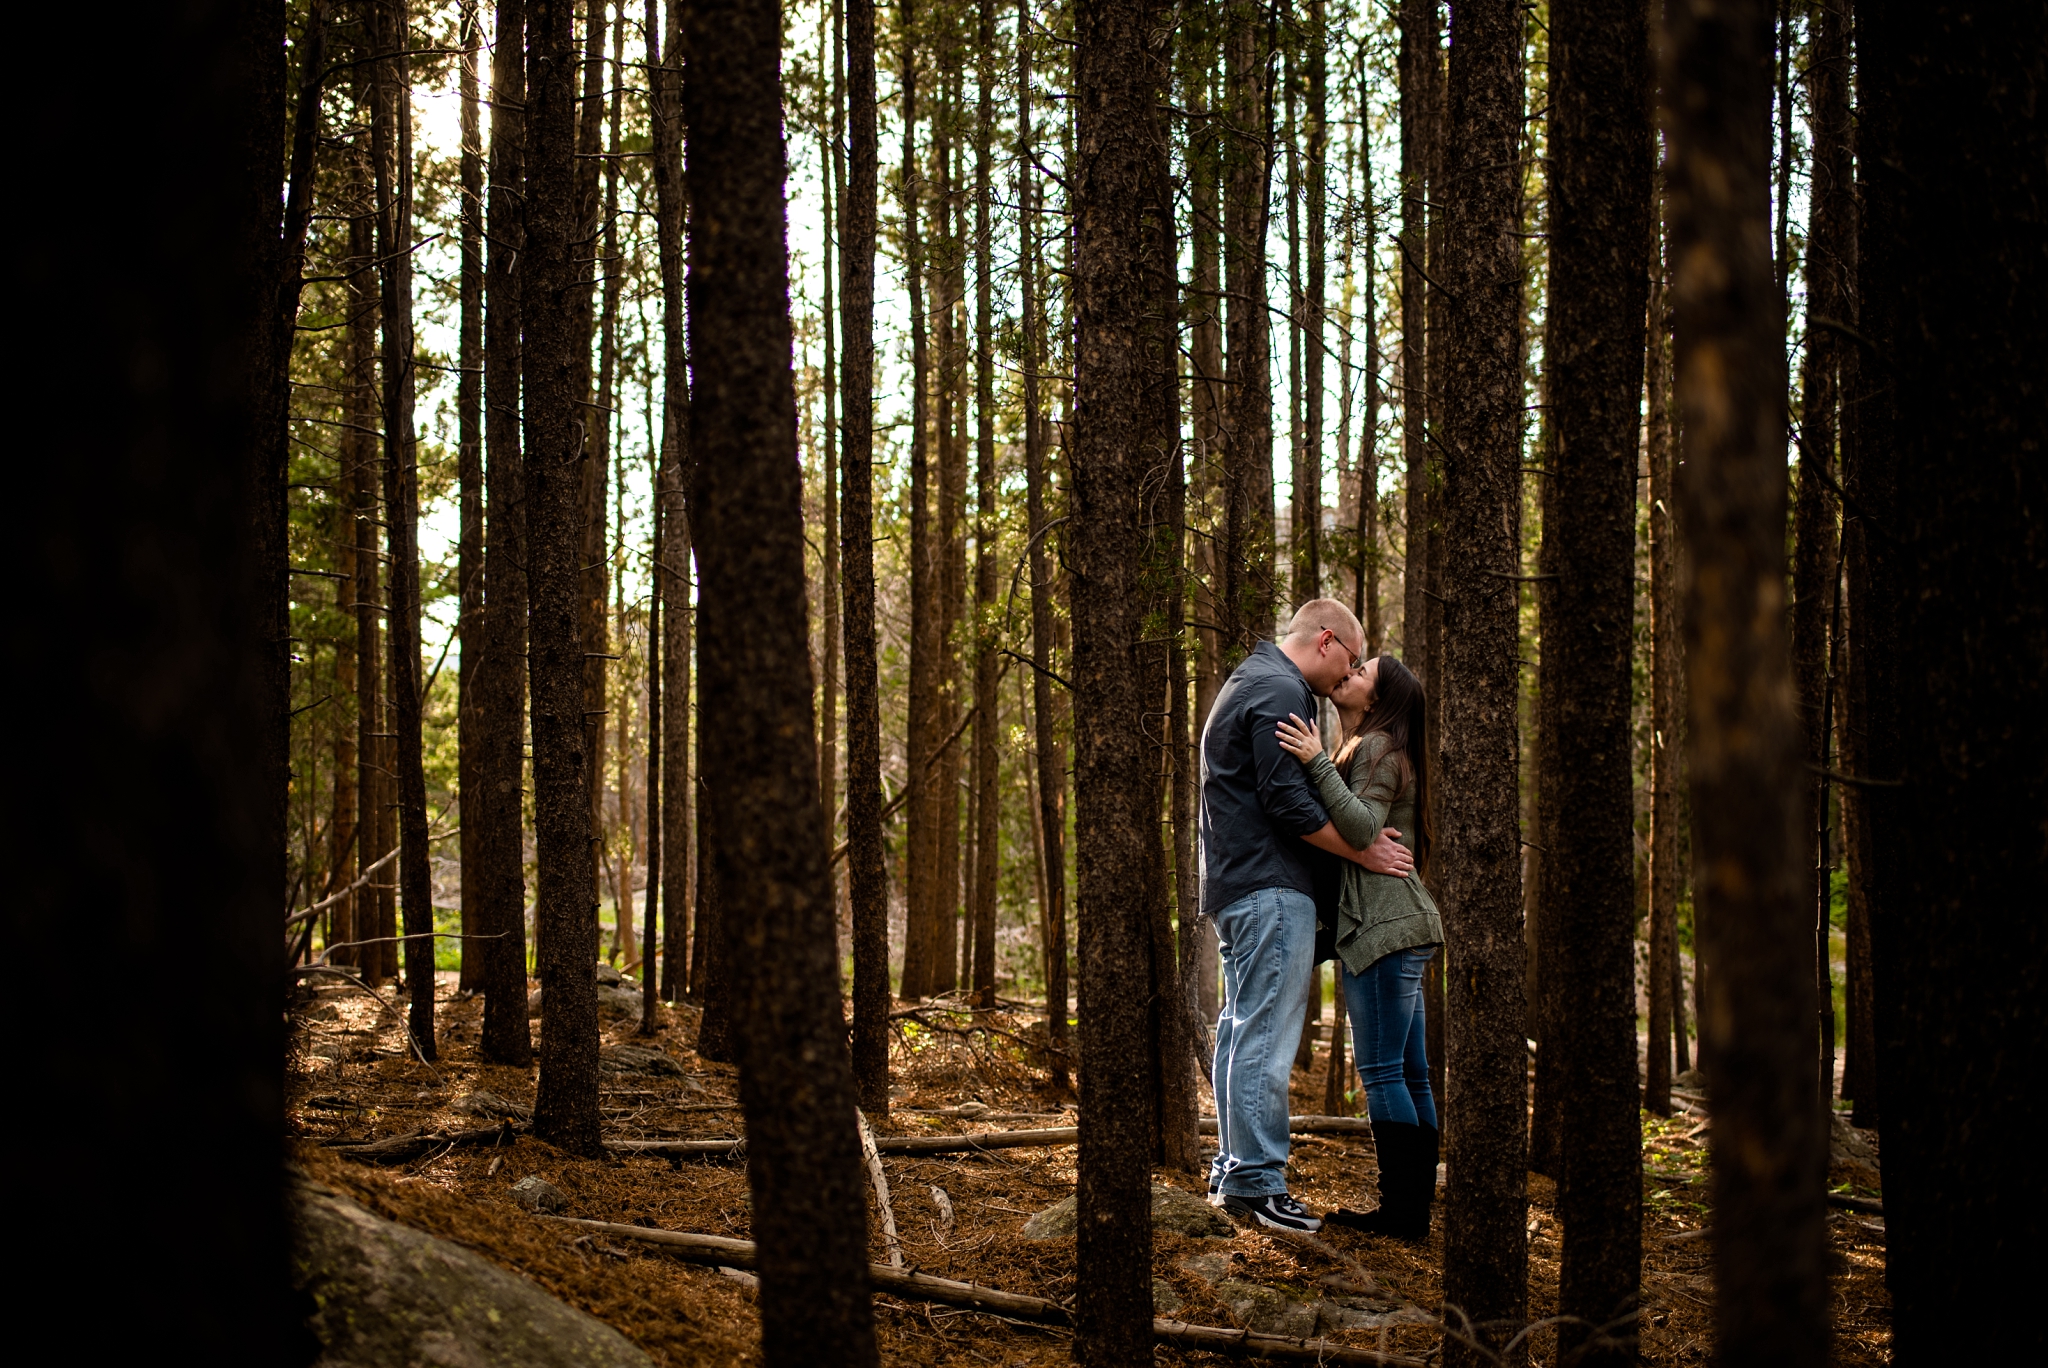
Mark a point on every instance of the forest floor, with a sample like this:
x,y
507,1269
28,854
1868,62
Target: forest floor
x,y
352,1079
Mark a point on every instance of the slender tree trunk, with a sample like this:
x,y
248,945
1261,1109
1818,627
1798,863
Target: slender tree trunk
x,y
598,543
828,594
470,475
367,586
1476,680
1666,1006
1052,778
920,975
1744,736
565,1108
1311,306
391,153
496,806
986,724
672,559
1301,531
591,254
1418,62
867,880
650,972
949,547
1247,609
1116,87
1601,158
803,1164
1949,117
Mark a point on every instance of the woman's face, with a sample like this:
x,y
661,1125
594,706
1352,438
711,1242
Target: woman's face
x,y
1356,692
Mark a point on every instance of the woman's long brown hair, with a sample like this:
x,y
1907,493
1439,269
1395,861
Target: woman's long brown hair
x,y
1400,711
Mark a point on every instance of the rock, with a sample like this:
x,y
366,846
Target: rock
x,y
1181,1212
1692,1080
637,1059
1846,1144
533,1003
1363,1313
387,1296
538,1194
608,975
1165,1301
970,1110
481,1103
612,1000
1208,1267
326,1011
1270,1312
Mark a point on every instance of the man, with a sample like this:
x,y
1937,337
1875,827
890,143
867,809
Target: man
x,y
1263,836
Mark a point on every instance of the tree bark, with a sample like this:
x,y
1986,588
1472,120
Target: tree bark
x,y
1247,609
867,880
391,155
831,128
1949,118
1667,1010
1418,67
796,1084
367,586
565,1108
611,546
495,806
1114,445
1601,149
591,251
1476,680
1744,738
986,724
470,475
1312,306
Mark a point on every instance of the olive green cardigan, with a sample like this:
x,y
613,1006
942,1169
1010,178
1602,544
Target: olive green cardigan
x,y
1377,914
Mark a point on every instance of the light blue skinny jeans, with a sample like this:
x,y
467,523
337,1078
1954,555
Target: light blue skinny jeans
x,y
1388,1036
1268,940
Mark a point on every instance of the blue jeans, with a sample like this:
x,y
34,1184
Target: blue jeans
x,y
1268,940
1387,1036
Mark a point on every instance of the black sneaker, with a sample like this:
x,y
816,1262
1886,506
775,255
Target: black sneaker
x,y
1276,1210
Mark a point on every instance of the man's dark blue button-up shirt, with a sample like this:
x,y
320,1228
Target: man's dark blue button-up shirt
x,y
1257,801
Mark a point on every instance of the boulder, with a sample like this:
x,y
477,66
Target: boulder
x,y
538,1194
489,1104
1174,1210
1271,1312
637,1059
387,1296
1165,1301
613,1000
606,974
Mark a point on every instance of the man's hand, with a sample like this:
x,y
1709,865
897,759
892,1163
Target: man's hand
x,y
1387,855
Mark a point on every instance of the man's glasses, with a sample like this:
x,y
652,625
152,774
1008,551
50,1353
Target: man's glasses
x,y
1357,661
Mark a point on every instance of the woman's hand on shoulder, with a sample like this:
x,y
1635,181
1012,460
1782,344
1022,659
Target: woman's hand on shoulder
x,y
1299,739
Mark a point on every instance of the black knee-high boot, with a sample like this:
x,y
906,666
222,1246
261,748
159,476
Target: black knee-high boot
x,y
1398,1143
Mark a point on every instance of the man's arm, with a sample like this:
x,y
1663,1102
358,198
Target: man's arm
x,y
1386,855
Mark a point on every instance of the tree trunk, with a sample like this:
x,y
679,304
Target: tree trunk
x,y
1114,444
672,560
495,807
598,547
1601,158
803,1164
867,881
1476,680
391,155
1667,1010
1052,769
565,1108
594,412
470,475
834,185
920,857
949,547
1418,63
1950,307
1744,737
367,587
1311,306
1301,528
986,724
1248,607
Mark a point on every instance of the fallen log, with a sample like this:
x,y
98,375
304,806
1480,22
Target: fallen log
x,y
980,1140
916,1286
1869,1206
397,1149
1310,1125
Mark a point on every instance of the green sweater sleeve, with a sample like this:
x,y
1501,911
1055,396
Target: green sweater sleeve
x,y
1358,815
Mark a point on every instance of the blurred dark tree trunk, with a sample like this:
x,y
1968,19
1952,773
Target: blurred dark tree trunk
x,y
469,569
1744,740
987,788
1667,999
1248,592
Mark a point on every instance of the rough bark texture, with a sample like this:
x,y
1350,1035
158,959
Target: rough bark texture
x,y
867,881
1667,1008
565,914
796,1084
1476,681
367,587
495,804
1600,225
157,744
470,474
1951,310
1248,597
986,723
1744,743
1114,444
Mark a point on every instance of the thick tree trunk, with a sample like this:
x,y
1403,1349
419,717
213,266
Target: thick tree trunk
x,y
1667,1010
986,724
1476,680
391,154
1052,769
796,1085
1601,150
672,559
1114,444
565,1109
867,881
1744,737
470,475
1951,120
495,806
1248,593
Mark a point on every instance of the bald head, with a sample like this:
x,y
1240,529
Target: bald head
x,y
1322,639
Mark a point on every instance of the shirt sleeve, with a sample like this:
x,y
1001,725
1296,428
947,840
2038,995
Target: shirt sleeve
x,y
1359,814
1285,794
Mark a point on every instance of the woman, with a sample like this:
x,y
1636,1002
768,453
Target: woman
x,y
1387,927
